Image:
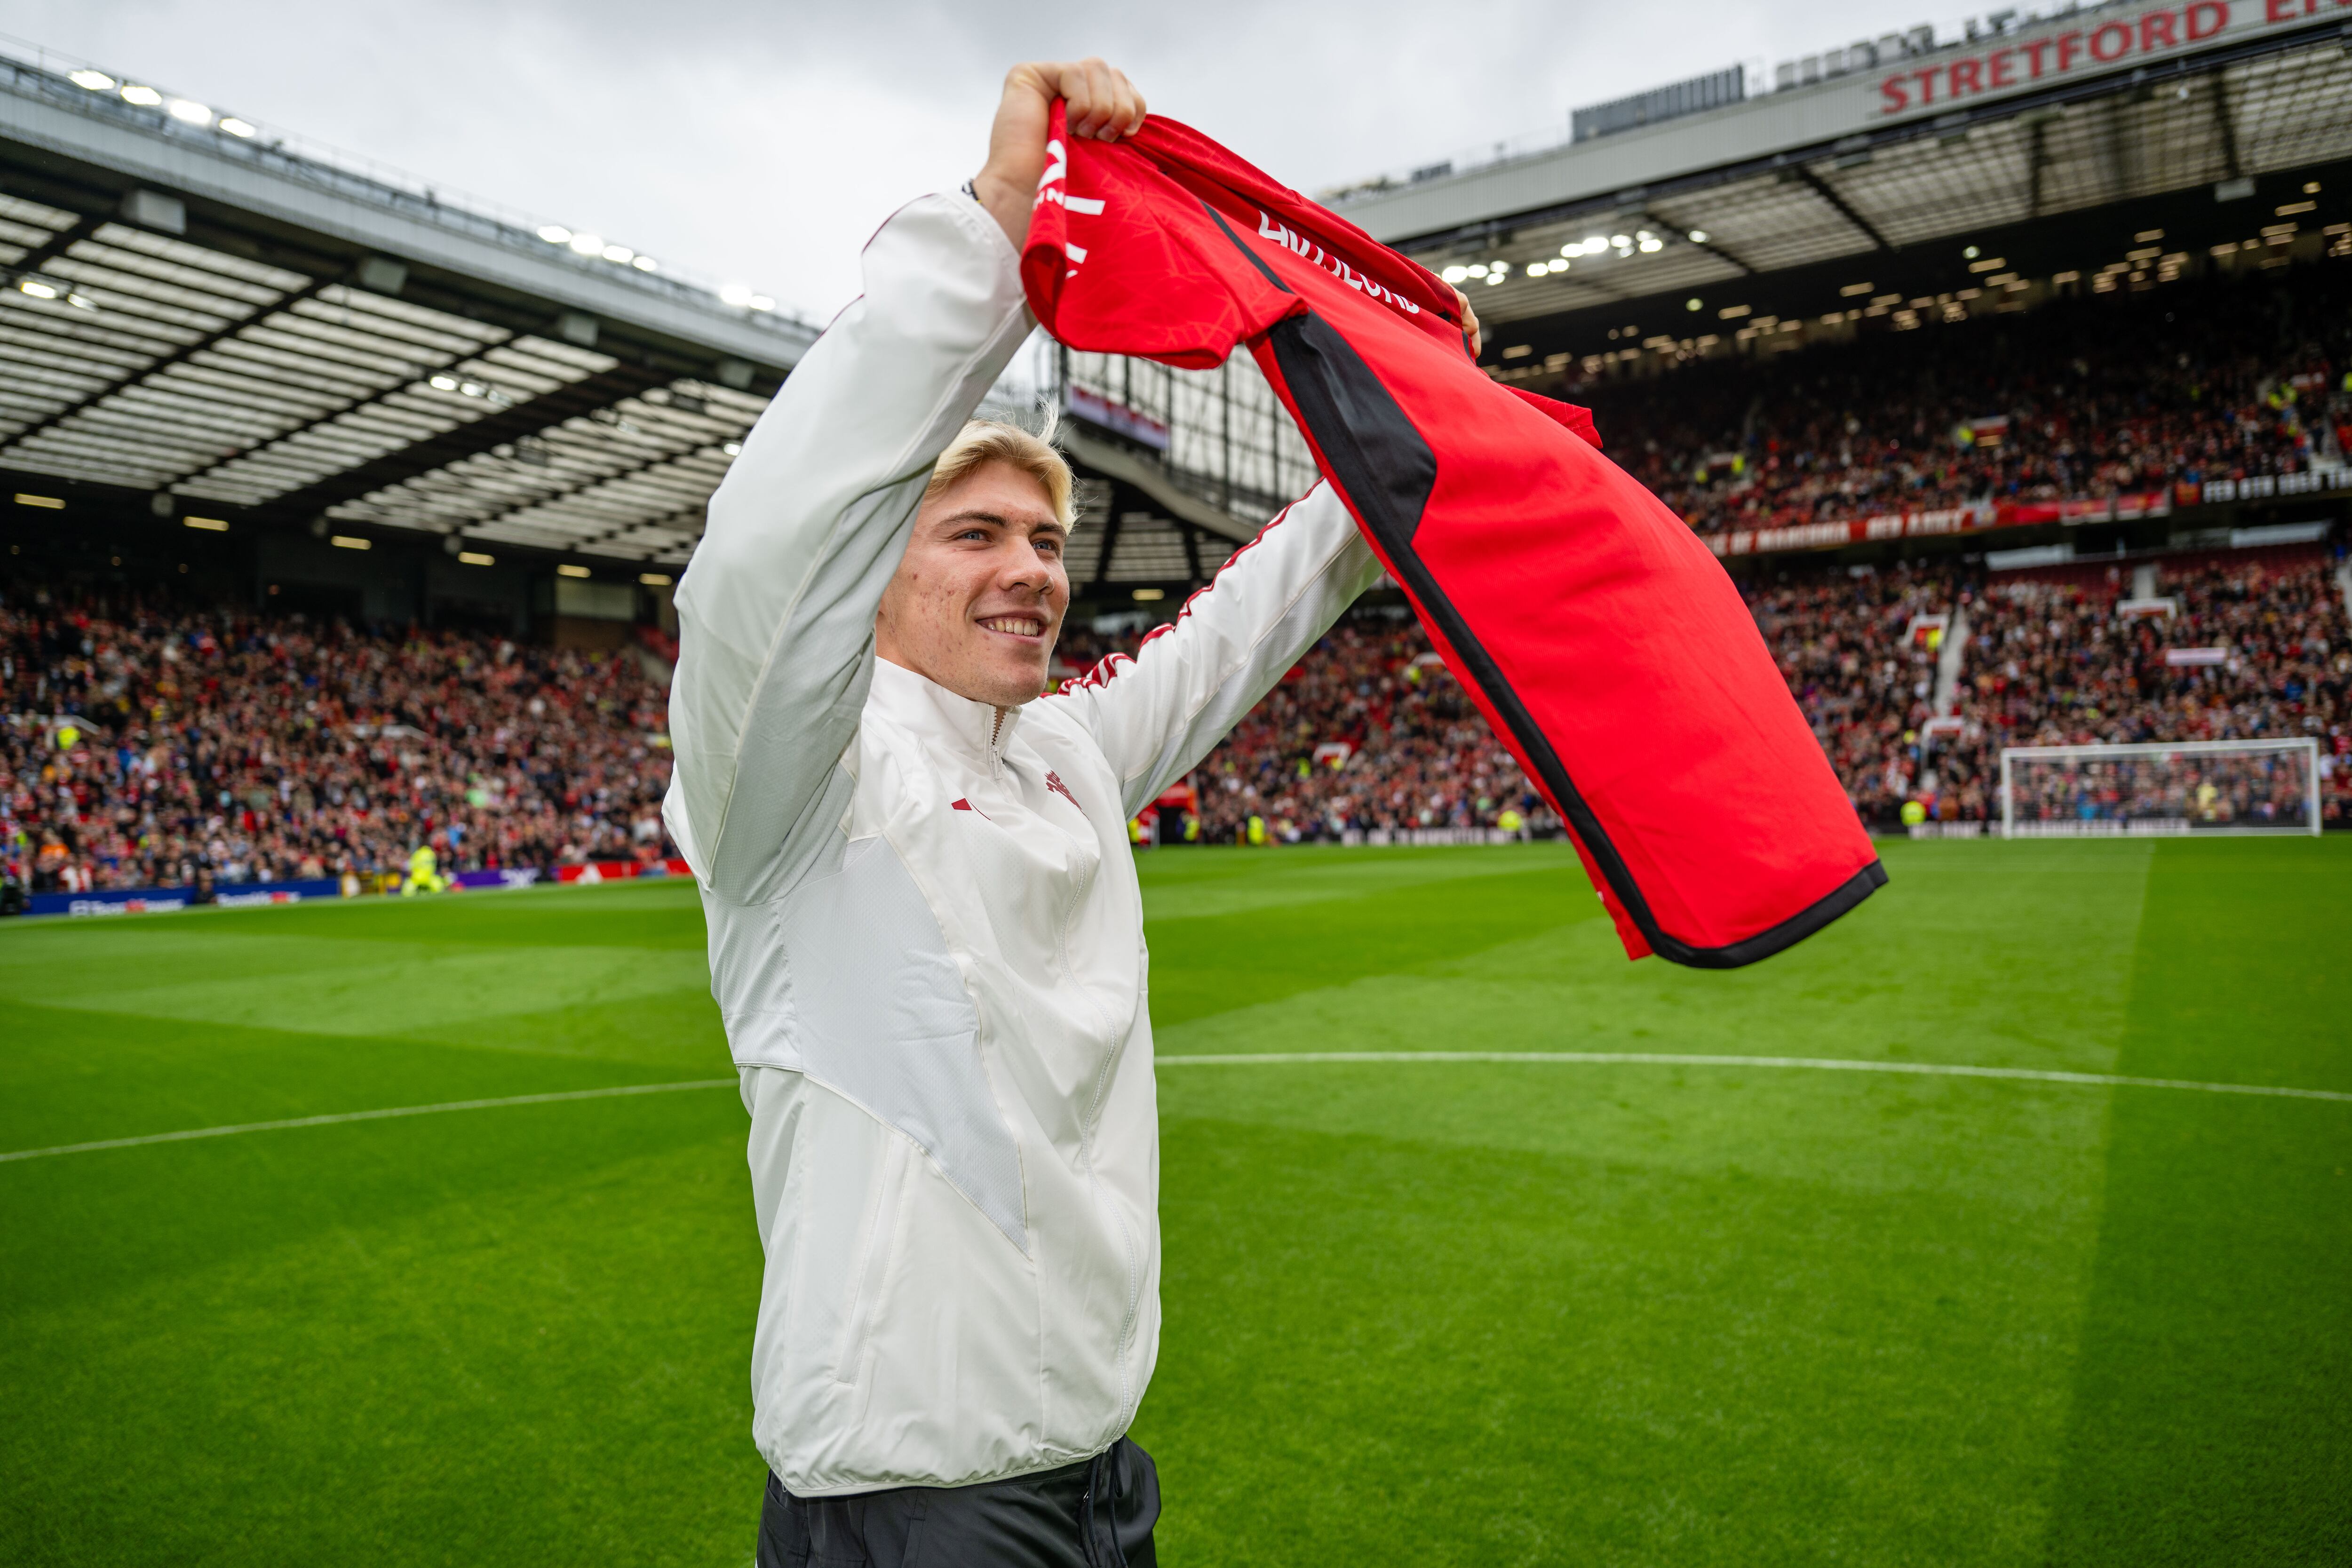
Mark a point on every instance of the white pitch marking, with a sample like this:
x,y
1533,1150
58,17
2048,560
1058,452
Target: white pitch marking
x,y
1818,1064
367,1116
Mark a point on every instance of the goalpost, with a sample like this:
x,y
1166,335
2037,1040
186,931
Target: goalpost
x,y
2160,788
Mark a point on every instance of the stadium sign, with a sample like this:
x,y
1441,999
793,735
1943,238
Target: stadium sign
x,y
1938,521
2078,45
162,901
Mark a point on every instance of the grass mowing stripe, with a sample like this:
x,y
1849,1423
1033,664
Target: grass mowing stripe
x,y
381,1115
1817,1064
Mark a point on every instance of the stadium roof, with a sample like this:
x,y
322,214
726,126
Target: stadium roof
x,y
200,316
243,326
1886,157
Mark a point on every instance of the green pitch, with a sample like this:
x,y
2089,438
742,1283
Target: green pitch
x,y
1416,1312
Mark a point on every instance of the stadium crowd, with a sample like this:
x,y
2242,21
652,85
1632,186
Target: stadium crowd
x,y
2228,650
2104,396
1371,733
143,746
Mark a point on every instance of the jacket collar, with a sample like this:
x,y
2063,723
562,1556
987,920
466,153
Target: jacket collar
x,y
978,732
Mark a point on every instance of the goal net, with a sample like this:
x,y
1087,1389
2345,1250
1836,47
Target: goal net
x,y
2159,788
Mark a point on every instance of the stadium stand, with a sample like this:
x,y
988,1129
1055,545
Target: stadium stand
x,y
1370,733
2104,396
2061,663
147,746
151,737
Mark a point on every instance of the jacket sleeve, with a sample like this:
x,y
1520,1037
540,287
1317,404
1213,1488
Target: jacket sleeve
x,y
1156,715
776,611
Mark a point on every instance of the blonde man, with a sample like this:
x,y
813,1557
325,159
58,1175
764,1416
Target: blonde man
x,y
926,935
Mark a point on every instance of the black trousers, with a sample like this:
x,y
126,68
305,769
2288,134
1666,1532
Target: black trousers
x,y
1097,1513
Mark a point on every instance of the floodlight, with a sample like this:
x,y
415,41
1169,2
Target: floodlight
x,y
761,302
1644,234
81,301
1619,241
1476,270
654,579
444,383
207,524
1455,274
189,112
144,97
38,290
588,243
735,294
1698,236
569,571
350,542
95,81
1649,245
1694,304
236,127
621,252
1537,269
555,233
646,264
1971,253
475,558
471,388
733,448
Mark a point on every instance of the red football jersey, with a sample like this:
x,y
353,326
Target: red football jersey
x,y
1600,637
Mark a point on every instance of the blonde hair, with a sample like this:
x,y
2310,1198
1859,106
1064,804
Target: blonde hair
x,y
993,441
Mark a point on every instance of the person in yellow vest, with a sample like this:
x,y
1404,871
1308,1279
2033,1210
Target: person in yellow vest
x,y
1135,832
1913,813
1257,831
1192,828
1509,820
424,873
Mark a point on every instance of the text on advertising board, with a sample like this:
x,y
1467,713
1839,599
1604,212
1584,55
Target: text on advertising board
x,y
2074,49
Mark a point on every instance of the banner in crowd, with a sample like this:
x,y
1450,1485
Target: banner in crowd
x,y
1938,521
505,876
622,870
240,895
162,900
2017,514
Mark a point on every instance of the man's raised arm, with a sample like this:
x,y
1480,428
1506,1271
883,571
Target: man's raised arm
x,y
776,613
1156,715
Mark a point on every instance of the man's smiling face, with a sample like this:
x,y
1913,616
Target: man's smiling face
x,y
978,600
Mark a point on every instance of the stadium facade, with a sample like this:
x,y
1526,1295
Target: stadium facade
x,y
1908,184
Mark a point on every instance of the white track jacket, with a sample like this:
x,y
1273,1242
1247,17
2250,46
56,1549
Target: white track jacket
x,y
926,934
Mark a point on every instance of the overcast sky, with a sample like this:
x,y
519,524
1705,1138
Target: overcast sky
x,y
761,144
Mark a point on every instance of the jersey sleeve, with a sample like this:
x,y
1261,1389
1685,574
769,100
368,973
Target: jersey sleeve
x,y
1158,713
776,610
